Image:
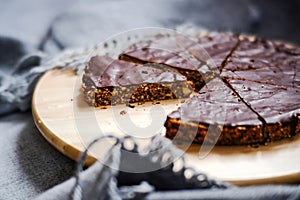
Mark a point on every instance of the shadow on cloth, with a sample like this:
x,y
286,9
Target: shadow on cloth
x,y
41,163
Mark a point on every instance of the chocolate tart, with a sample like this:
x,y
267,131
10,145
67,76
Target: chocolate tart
x,y
108,82
247,88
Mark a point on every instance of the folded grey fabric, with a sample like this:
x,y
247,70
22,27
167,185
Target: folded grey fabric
x,y
104,181
8,61
118,169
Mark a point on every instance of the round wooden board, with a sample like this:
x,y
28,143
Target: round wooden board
x,y
68,123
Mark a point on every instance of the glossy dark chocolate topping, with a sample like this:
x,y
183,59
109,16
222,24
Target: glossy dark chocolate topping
x,y
216,103
150,74
218,46
94,69
273,103
185,53
265,62
103,71
164,50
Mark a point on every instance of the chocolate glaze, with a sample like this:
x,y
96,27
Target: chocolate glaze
x,y
273,103
218,46
103,71
273,76
216,103
164,50
264,61
183,52
150,73
94,69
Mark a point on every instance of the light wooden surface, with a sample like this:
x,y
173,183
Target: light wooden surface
x,y
68,123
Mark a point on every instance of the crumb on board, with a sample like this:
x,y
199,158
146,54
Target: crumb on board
x,y
155,102
254,146
123,112
131,105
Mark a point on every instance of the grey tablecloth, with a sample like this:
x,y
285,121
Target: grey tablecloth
x,y
29,165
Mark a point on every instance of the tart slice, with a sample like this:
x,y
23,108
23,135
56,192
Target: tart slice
x,y
278,107
215,106
185,53
108,82
170,50
264,61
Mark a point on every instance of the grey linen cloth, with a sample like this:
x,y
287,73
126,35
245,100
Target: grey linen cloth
x,y
100,182
29,165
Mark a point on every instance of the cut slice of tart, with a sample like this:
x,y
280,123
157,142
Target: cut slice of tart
x,y
108,82
215,106
265,62
199,59
278,107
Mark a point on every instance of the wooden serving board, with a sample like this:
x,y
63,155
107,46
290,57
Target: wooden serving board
x,y
69,123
